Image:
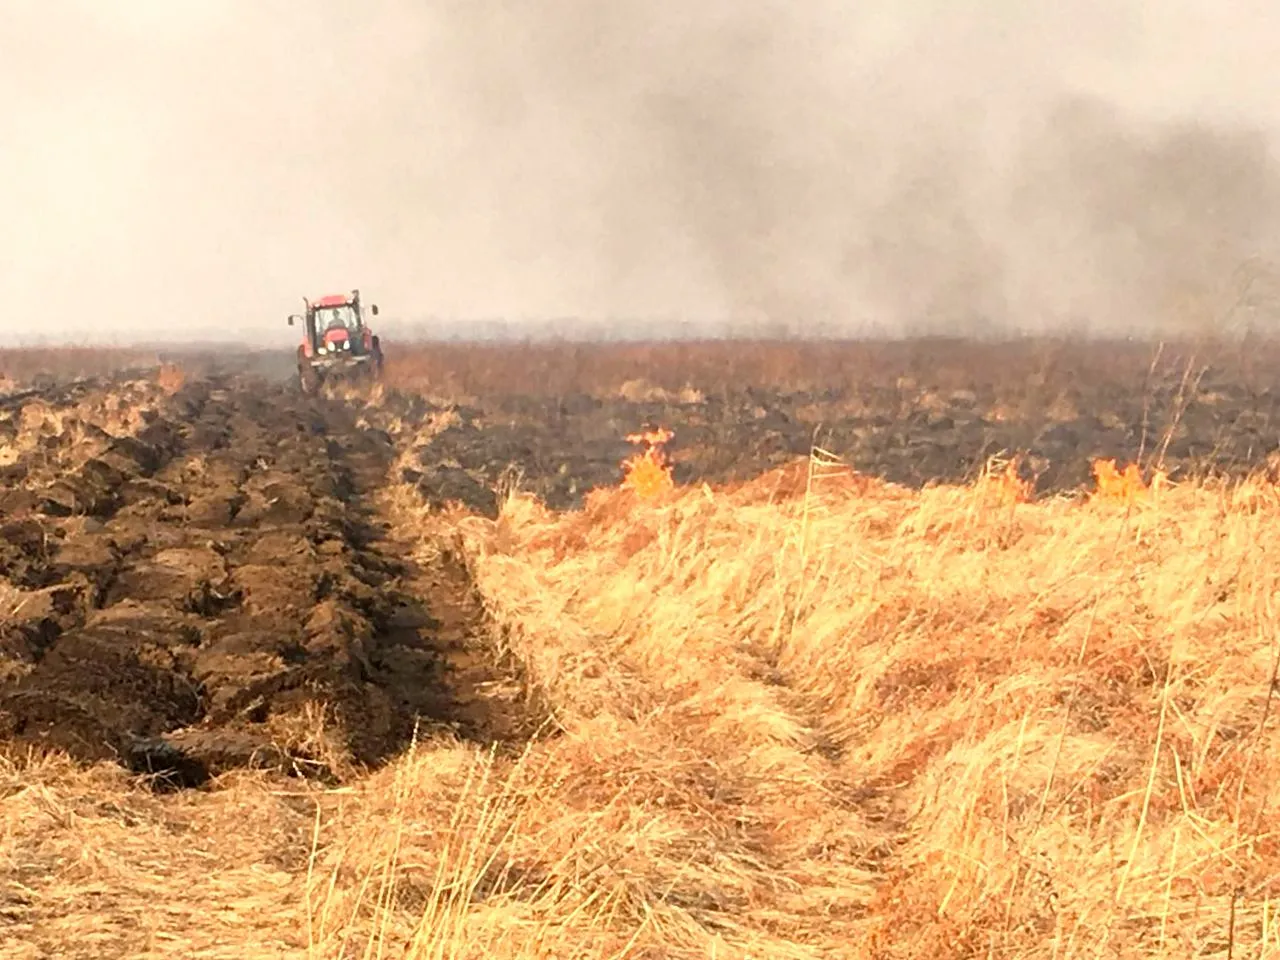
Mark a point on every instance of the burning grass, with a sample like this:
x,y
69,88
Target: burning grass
x,y
1126,486
170,378
814,715
648,473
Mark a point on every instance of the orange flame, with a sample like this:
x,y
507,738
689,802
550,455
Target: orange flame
x,y
648,473
1125,486
1006,486
170,378
651,438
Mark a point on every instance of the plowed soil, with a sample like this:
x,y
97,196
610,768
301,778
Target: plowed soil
x,y
196,582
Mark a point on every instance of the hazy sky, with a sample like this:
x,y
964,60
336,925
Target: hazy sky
x,y
197,166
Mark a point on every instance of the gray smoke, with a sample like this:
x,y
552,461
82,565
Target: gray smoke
x,y
193,169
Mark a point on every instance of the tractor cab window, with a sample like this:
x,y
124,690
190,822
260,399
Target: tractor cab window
x,y
336,318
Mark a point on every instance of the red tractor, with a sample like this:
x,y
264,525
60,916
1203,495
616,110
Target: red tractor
x,y
336,341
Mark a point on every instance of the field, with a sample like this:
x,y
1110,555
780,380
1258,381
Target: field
x,y
880,666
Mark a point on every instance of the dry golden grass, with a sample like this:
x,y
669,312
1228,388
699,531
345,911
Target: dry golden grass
x,y
813,716
1039,729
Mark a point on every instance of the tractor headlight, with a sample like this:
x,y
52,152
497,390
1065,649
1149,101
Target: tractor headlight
x,y
346,344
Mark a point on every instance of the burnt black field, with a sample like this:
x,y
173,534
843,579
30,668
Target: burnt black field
x,y
554,421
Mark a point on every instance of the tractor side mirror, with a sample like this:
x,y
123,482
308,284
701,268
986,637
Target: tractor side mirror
x,y
374,308
293,317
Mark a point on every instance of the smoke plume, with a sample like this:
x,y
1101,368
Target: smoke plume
x,y
191,170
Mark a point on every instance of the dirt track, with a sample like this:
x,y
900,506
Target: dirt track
x,y
201,581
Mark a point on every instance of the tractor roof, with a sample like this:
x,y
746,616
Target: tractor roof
x,y
334,300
